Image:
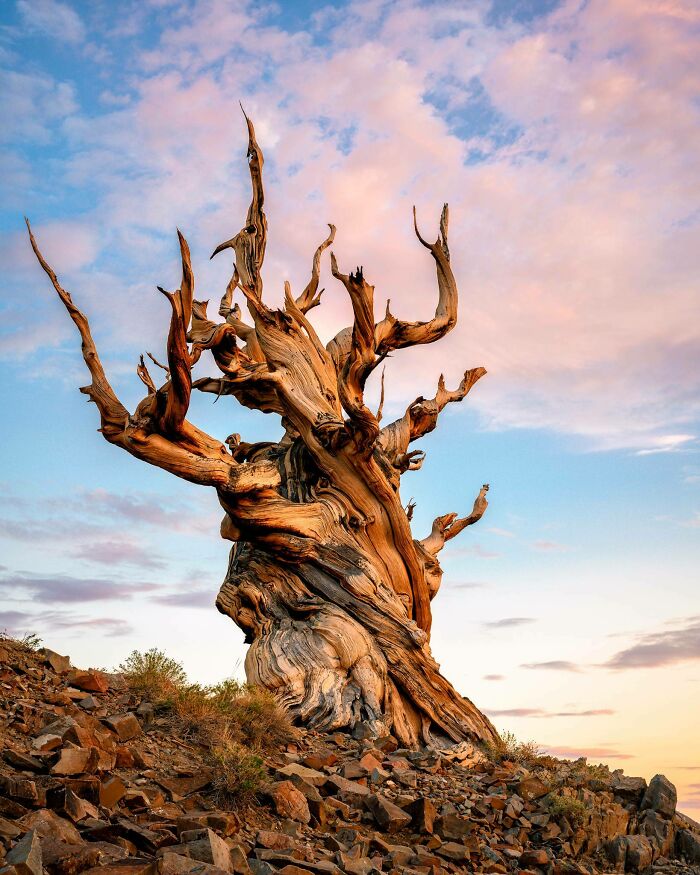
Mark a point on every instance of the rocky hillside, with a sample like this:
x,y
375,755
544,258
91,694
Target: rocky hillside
x,y
94,777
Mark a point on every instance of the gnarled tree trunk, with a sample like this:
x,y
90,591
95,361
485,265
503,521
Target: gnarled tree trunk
x,y
325,579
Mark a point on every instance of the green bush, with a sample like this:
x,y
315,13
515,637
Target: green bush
x,y
239,774
153,675
569,807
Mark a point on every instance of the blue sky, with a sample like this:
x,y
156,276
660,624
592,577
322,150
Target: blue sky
x,y
565,138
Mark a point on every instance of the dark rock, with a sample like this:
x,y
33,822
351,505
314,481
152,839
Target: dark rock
x,y
688,845
640,853
388,816
126,726
660,796
423,813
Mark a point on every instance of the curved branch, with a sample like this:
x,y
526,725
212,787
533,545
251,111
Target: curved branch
x,y
421,416
448,526
179,365
361,359
113,415
391,333
249,244
308,298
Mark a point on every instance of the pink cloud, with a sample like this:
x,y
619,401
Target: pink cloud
x,y
566,238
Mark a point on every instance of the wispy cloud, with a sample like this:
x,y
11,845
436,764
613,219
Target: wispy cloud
x,y
553,665
494,677
654,649
540,712
119,551
604,752
196,598
509,622
549,547
64,589
56,20
46,622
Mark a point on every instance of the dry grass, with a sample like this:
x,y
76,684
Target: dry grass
x,y
509,749
239,774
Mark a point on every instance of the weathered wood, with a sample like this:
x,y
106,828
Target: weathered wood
x,y
325,578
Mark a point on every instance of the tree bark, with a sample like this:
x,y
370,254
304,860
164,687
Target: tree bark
x,y
325,578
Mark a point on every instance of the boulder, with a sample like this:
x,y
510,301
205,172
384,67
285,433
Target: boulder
x,y
639,853
112,791
660,796
60,664
207,846
688,845
659,830
423,813
532,788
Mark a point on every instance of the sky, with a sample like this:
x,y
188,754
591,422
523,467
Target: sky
x,y
565,136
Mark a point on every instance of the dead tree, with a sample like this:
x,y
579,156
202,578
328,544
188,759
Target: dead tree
x,y
325,578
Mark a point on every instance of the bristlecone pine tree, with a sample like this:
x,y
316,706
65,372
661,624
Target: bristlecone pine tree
x,y
325,578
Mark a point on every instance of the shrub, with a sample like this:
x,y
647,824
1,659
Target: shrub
x,y
30,641
566,806
509,748
153,675
239,774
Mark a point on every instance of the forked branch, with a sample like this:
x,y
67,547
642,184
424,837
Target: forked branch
x,y
448,526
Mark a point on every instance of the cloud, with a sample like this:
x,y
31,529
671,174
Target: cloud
x,y
494,677
120,551
56,20
46,622
198,598
64,589
602,753
549,547
539,712
669,443
656,649
568,143
553,665
509,622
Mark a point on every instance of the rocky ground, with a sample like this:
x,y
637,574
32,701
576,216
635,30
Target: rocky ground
x,y
92,777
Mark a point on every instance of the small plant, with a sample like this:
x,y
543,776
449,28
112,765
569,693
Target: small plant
x,y
153,675
30,641
569,807
508,748
239,774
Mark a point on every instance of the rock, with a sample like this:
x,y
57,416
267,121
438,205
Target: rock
x,y
454,851
8,829
630,789
61,858
454,827
239,863
60,664
47,742
205,845
25,857
76,808
688,845
388,816
290,802
277,841
183,786
350,788
639,853
72,761
311,776
534,857
112,791
616,851
660,796
22,761
88,703
92,681
47,824
532,788
659,830
423,813
126,726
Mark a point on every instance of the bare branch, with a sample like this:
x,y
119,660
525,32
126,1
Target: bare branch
x,y
361,359
392,333
448,526
113,415
308,298
178,398
421,417
249,244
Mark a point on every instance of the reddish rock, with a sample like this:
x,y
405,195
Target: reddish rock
x,y
46,743
534,857
205,845
532,788
92,681
112,791
126,726
73,761
423,814
278,841
290,802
